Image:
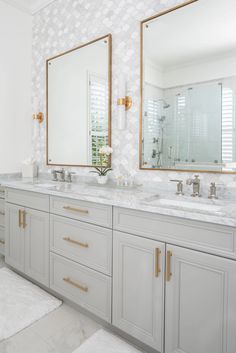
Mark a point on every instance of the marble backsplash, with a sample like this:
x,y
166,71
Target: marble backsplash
x,y
67,23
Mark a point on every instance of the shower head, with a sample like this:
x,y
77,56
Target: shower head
x,y
165,104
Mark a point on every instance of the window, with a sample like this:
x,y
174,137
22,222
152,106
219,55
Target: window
x,y
98,116
227,125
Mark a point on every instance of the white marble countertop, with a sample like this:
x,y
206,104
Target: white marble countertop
x,y
152,199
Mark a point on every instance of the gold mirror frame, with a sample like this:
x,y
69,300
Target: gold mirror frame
x,y
109,38
189,2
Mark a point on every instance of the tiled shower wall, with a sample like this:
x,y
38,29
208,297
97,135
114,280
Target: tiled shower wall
x,y
68,23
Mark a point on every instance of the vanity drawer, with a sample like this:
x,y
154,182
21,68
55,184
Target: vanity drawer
x,y
85,287
211,238
82,242
28,199
2,212
2,240
82,210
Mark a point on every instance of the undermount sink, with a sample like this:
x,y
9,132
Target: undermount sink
x,y
194,205
41,185
190,205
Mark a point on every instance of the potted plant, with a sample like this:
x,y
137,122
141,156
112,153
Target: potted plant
x,y
103,169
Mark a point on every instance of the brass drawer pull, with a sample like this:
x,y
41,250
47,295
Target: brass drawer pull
x,y
19,218
2,241
2,213
73,209
157,262
76,285
83,245
24,219
168,266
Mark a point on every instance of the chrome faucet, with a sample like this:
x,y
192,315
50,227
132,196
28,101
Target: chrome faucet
x,y
196,183
179,190
212,192
62,175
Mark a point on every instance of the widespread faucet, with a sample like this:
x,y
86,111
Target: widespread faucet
x,y
62,175
196,183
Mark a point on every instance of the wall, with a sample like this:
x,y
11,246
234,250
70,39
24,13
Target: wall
x,y
15,87
65,24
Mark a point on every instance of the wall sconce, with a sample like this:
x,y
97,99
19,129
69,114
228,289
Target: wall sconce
x,y
39,117
124,103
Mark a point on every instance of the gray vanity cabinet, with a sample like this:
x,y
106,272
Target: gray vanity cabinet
x,y
27,237
200,303
138,288
15,240
37,245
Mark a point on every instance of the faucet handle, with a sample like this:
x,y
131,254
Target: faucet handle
x,y
179,186
68,176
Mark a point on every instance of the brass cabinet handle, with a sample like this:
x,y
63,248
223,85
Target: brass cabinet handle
x,y
24,219
76,285
2,241
80,210
2,213
19,218
83,245
168,266
157,262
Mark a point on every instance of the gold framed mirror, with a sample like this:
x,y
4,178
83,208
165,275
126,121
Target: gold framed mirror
x,y
188,88
79,95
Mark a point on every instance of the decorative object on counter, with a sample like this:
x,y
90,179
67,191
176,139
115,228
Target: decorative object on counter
x,y
38,115
125,181
29,168
102,170
124,103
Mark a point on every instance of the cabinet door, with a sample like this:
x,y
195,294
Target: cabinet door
x,y
37,245
200,303
138,288
14,242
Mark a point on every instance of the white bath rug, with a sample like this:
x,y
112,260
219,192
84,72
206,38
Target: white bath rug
x,y
104,342
21,303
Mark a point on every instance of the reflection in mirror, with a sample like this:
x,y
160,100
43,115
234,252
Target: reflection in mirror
x,y
189,88
79,104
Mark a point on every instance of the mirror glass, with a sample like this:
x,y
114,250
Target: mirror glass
x,y
188,84
79,104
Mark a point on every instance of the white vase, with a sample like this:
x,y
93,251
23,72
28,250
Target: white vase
x,y
102,179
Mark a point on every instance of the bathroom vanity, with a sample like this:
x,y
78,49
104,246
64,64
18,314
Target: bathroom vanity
x,y
154,272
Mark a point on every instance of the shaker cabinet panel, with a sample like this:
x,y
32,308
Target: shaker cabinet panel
x,y
138,288
200,303
37,246
15,241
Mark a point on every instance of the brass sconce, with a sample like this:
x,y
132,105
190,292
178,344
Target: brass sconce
x,y
127,102
124,104
39,117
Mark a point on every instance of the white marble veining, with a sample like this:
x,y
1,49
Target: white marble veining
x,y
152,199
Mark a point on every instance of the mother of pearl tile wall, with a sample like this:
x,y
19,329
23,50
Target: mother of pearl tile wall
x,y
67,23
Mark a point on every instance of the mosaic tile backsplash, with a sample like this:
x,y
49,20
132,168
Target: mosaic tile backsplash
x,y
68,23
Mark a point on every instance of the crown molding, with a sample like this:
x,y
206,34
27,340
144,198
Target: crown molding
x,y
33,8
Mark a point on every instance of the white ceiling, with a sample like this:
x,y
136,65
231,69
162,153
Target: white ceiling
x,y
205,29
29,6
